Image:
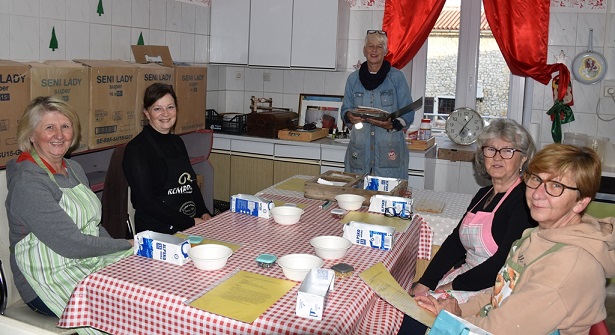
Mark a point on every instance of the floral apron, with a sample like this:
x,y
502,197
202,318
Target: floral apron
x,y
510,273
475,235
52,276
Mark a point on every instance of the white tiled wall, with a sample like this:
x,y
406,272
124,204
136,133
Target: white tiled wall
x,y
26,26
569,32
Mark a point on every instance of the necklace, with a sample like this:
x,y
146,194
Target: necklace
x,y
488,201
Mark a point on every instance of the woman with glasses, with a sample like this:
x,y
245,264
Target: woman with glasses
x,y
163,184
496,216
377,147
554,277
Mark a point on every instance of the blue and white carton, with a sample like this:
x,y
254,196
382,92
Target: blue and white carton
x,y
371,235
379,203
313,291
383,184
163,247
251,205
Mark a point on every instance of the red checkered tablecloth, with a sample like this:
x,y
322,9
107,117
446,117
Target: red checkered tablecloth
x,y
138,295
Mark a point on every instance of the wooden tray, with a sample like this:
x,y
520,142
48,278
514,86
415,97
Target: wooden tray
x,y
420,144
353,185
303,135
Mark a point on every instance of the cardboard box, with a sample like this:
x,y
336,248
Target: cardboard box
x,y
164,247
382,184
312,293
251,205
113,90
190,84
303,135
68,81
14,97
375,236
455,152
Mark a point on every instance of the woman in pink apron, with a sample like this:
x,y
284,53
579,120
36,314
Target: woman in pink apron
x,y
471,256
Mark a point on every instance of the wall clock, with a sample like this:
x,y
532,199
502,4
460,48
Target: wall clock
x,y
463,125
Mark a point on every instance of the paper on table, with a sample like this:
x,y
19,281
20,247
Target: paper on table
x,y
400,225
243,296
293,184
379,279
332,183
233,246
282,203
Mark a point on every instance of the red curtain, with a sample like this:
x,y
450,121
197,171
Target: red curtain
x,y
520,27
408,24
523,39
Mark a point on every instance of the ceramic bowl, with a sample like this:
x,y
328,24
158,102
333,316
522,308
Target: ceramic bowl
x,y
349,202
297,266
286,215
330,247
210,257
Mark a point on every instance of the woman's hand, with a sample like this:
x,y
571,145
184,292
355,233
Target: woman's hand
x,y
206,217
419,289
436,305
354,119
386,124
446,287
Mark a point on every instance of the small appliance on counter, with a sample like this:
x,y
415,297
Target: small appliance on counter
x,y
265,120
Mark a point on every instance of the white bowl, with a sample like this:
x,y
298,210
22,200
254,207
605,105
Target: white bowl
x,y
286,215
210,257
350,202
297,266
330,247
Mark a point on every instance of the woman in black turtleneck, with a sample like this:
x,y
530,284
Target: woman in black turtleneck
x,y
163,184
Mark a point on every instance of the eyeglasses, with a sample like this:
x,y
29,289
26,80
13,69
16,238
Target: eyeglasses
x,y
402,214
553,188
505,153
381,32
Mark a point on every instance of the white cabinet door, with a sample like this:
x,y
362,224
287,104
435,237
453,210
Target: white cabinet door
x,y
271,23
314,38
230,24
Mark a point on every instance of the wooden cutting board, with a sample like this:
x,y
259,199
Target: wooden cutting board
x,y
428,205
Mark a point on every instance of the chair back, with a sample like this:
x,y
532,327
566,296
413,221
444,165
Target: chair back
x,y
115,197
599,328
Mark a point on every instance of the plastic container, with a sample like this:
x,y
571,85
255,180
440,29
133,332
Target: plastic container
x,y
424,130
598,144
577,139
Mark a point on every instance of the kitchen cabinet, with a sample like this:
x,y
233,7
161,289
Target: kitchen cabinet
x,y
256,163
280,33
230,31
455,177
271,23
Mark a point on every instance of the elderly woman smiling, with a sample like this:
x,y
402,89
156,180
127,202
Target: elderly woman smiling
x,y
54,217
554,277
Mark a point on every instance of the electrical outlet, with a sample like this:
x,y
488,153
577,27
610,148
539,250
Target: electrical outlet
x,y
609,88
238,75
267,76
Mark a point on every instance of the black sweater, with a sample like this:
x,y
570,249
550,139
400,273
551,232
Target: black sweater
x,y
509,222
146,174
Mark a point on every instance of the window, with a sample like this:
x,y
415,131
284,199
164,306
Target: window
x,y
463,67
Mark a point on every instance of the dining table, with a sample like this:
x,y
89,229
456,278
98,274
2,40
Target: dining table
x,y
139,295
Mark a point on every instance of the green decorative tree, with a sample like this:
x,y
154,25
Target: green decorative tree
x,y
100,10
53,44
140,41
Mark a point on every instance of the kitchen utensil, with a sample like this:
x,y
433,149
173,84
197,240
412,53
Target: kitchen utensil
x,y
330,247
210,257
379,114
297,266
589,67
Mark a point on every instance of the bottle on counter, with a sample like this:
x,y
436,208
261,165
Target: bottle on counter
x,y
424,130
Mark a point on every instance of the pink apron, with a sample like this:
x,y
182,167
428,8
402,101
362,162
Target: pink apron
x,y
475,235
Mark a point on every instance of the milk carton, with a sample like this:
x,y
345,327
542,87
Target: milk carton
x,y
313,292
251,205
378,203
383,184
374,236
163,247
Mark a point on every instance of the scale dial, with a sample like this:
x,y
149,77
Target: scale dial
x,y
464,125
